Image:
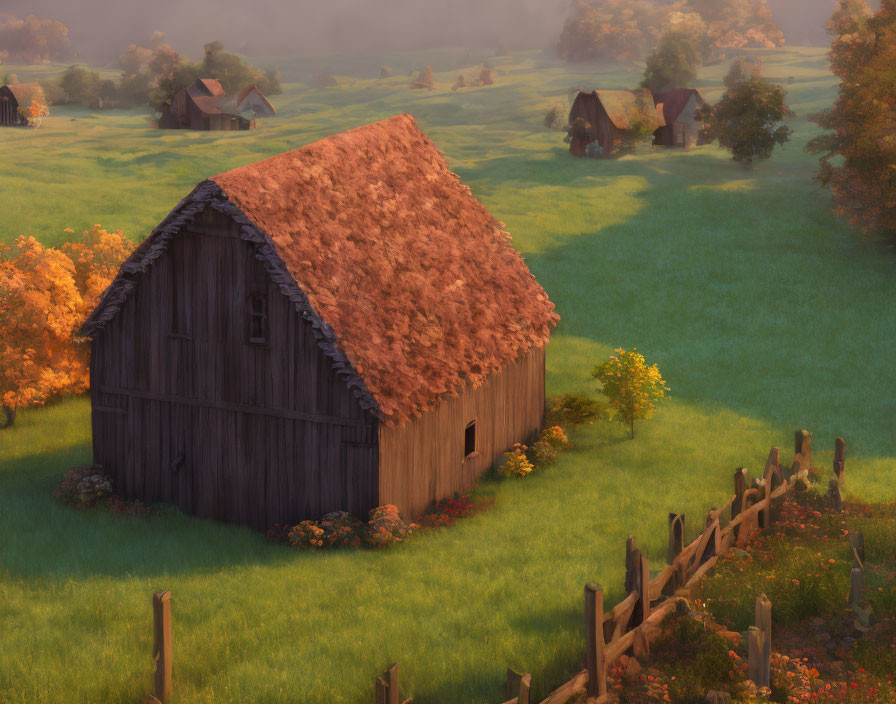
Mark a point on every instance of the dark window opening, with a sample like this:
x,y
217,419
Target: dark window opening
x,y
258,318
470,439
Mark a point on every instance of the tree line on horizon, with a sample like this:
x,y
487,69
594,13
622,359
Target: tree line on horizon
x,y
625,30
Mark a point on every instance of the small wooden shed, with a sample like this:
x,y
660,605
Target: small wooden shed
x,y
610,115
682,129
16,96
204,105
338,327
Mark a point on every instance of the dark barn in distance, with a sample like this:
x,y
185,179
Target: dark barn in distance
x,y
338,327
682,129
19,95
609,114
204,105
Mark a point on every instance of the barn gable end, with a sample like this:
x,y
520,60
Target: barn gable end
x,y
337,327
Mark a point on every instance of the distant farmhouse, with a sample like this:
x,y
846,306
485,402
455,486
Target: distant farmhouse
x,y
338,327
612,116
16,101
203,105
682,129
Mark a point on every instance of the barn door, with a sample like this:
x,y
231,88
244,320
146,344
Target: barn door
x,y
359,480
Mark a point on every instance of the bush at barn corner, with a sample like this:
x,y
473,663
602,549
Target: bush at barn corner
x,y
82,486
386,526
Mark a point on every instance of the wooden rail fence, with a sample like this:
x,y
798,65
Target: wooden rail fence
x,y
635,621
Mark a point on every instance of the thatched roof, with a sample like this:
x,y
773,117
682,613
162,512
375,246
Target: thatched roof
x,y
412,288
27,93
625,107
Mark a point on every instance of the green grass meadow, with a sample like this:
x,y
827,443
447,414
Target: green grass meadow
x,y
764,312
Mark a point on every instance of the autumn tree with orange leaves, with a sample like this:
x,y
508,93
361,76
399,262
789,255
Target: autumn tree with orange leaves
x,y
858,155
45,295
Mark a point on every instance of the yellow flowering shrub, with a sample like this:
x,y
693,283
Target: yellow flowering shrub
x,y
517,463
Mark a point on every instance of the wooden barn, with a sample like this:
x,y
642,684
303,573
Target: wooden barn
x,y
610,115
682,129
204,105
14,97
338,327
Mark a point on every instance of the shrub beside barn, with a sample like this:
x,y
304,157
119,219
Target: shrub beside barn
x,y
338,327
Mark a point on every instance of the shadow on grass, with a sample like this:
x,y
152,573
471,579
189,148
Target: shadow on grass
x,y
52,539
779,312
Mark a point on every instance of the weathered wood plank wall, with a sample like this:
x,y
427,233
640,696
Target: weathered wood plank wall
x,y
424,459
187,411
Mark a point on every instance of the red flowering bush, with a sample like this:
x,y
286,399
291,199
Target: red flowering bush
x,y
131,508
279,533
446,512
82,486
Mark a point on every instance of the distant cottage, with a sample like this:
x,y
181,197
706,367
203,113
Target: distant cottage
x,y
609,117
338,327
17,99
204,105
682,129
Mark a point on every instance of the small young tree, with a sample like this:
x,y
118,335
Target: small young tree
x,y
674,64
748,120
630,386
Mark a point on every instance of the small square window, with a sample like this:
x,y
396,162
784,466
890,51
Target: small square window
x,y
470,439
258,318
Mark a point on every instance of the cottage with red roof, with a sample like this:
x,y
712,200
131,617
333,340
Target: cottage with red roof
x,y
204,105
338,327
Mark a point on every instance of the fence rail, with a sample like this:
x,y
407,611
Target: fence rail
x,y
635,621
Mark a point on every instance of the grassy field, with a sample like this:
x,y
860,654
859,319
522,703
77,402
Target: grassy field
x,y
765,313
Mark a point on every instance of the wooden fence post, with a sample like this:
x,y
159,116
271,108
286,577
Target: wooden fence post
x,y
771,463
839,459
518,686
594,632
644,599
856,586
740,486
802,449
764,624
161,607
765,515
676,537
834,498
755,666
387,686
857,543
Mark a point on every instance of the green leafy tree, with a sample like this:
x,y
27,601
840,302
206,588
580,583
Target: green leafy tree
x,y
748,120
631,387
674,64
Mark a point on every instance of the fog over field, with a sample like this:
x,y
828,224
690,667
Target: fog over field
x,y
99,28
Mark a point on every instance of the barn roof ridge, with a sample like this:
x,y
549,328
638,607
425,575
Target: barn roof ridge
x,y
409,319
